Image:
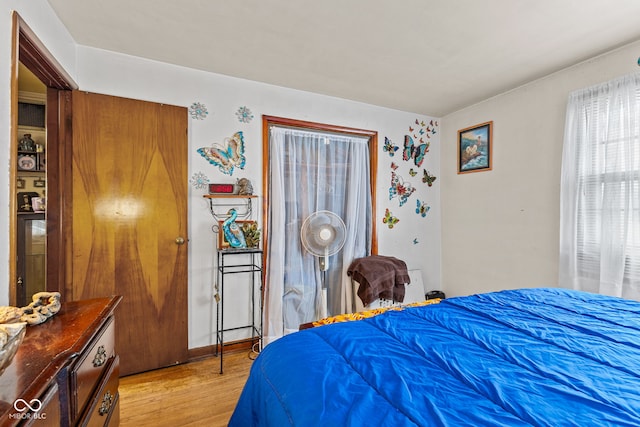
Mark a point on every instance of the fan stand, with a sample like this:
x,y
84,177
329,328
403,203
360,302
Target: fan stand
x,y
325,293
323,263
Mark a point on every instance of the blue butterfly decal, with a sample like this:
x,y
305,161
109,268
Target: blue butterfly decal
x,y
415,241
389,219
422,208
400,189
413,151
427,178
226,157
389,147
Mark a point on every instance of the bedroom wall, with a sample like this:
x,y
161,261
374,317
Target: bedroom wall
x,y
109,73
500,228
44,22
115,74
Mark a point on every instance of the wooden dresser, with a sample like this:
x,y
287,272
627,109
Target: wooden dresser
x,y
66,370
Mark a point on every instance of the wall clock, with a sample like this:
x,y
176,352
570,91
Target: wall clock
x,y
26,162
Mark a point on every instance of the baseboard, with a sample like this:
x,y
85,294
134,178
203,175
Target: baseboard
x,y
200,353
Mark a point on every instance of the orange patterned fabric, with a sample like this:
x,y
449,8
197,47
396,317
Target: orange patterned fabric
x,y
369,313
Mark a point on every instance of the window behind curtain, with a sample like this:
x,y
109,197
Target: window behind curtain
x,y
600,192
311,169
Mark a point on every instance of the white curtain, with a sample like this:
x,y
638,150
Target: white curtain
x,y
600,190
312,171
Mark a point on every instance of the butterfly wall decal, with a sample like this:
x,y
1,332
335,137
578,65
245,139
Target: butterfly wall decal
x,y
412,172
414,151
227,156
427,178
389,219
423,129
389,147
400,189
394,166
422,208
415,241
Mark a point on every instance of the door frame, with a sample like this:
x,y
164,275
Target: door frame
x,y
32,53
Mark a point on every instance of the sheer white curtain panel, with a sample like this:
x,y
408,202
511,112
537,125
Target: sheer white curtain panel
x,y
600,190
311,171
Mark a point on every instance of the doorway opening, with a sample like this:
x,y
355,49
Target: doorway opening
x,y
31,187
40,112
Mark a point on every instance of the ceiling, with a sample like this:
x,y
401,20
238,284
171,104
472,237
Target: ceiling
x,y
431,57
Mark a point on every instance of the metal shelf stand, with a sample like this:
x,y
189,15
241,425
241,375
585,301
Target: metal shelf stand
x,y
254,267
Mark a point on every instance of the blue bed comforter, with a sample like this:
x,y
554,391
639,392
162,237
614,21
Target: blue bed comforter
x,y
541,357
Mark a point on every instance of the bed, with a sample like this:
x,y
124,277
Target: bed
x,y
542,357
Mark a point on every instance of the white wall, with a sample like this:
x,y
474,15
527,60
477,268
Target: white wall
x,y
105,72
42,20
500,228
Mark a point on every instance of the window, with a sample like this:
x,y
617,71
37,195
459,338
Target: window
x,y
600,190
309,168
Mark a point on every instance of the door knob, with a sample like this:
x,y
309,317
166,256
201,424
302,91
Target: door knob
x,y
179,240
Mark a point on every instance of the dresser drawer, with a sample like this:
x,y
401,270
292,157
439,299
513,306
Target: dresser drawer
x,y
88,371
104,406
48,413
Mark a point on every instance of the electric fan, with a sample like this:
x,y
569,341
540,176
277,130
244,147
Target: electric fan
x,y
323,234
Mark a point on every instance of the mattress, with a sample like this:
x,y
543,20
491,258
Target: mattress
x,y
542,357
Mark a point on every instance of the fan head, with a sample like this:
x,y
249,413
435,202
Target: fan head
x,y
323,234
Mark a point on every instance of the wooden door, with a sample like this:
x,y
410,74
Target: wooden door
x,y
129,214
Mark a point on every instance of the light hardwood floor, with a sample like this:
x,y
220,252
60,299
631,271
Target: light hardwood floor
x,y
192,394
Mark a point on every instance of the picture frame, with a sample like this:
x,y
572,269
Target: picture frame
x,y
25,203
223,243
21,183
27,162
39,183
475,148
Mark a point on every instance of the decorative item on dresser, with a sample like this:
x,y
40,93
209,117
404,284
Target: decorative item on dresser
x,y
66,371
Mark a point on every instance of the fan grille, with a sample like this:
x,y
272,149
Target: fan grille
x,y
323,233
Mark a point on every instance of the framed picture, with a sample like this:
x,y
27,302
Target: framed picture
x,y
20,183
475,146
27,162
24,201
39,183
222,241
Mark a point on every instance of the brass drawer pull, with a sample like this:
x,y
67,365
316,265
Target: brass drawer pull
x,y
107,401
100,358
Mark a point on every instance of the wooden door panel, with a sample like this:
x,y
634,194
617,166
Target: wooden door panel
x,y
129,206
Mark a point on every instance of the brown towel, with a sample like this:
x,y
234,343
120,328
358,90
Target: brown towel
x,y
379,277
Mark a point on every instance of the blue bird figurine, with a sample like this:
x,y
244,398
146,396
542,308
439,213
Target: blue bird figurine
x,y
232,231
